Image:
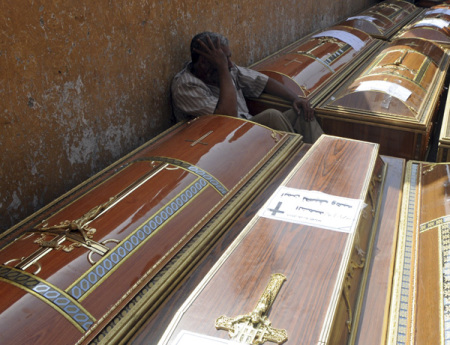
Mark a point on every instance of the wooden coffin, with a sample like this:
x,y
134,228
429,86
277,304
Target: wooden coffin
x,y
90,265
155,325
432,25
298,277
312,66
443,153
384,19
420,311
391,100
372,326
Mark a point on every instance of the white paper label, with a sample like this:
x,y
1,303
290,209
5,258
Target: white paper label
x,y
313,208
190,338
392,89
440,23
352,40
445,11
368,18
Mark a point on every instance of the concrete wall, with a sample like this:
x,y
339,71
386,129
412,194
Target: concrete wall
x,y
84,82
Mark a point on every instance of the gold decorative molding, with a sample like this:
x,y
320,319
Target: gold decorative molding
x,y
255,328
76,231
348,285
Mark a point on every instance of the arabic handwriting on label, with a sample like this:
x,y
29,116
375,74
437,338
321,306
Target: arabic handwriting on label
x,y
313,208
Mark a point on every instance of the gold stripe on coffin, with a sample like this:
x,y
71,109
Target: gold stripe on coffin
x,y
266,246
420,309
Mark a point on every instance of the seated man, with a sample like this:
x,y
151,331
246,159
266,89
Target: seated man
x,y
212,84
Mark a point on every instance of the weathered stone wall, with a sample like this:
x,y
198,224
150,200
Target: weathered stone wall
x,y
84,82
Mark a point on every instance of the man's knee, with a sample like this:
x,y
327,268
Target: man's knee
x,y
272,113
274,119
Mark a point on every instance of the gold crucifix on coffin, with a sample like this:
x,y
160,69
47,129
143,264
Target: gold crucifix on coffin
x,y
77,232
70,234
255,328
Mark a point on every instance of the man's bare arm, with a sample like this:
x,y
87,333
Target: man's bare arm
x,y
275,88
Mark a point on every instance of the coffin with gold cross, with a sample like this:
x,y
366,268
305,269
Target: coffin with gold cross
x,y
420,307
392,99
384,19
433,25
89,266
313,66
297,271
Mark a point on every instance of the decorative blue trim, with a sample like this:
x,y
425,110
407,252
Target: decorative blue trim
x,y
53,296
187,166
115,256
406,270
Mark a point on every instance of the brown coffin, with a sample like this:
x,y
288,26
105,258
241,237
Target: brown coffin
x,y
443,154
384,19
420,309
432,25
88,266
372,326
325,269
312,66
391,100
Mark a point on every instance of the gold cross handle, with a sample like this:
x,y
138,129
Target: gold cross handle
x,y
76,231
70,234
79,225
57,243
255,328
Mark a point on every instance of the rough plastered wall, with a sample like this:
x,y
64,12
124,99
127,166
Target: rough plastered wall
x,y
84,82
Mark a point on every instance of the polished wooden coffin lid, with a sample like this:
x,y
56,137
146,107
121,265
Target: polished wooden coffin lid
x,y
397,84
324,268
432,25
420,309
85,267
313,65
384,19
398,88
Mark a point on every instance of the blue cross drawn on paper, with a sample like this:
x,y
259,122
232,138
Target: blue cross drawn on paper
x,y
276,209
